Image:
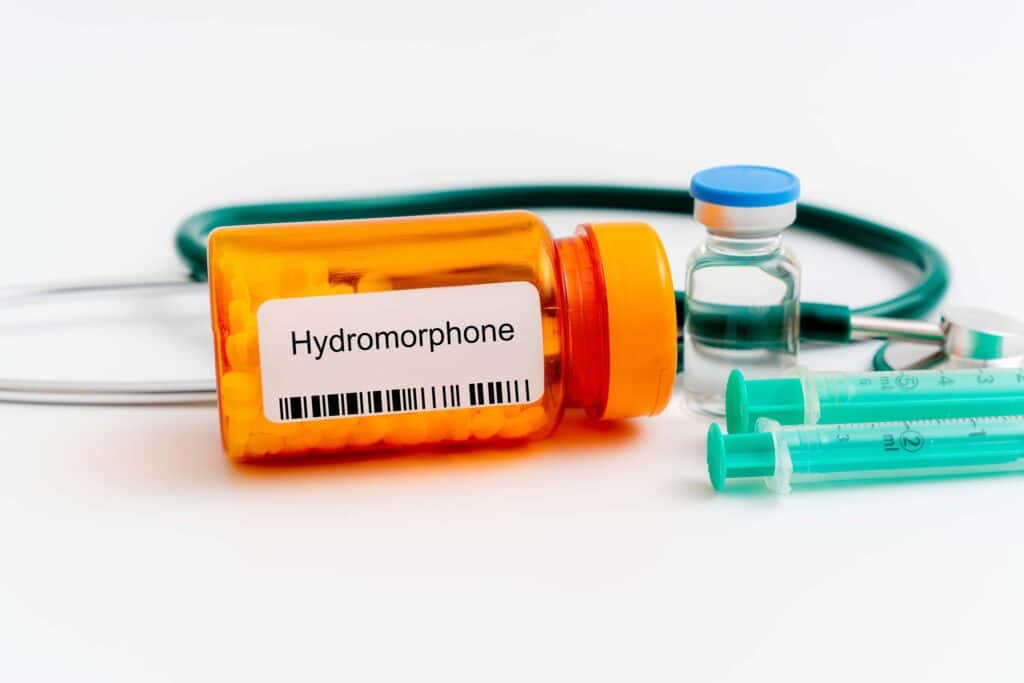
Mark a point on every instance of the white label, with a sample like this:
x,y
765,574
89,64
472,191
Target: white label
x,y
346,355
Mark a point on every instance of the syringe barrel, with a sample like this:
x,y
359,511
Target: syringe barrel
x,y
838,398
878,450
911,449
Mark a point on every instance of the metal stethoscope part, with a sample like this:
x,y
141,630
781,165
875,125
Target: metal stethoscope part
x,y
98,392
964,337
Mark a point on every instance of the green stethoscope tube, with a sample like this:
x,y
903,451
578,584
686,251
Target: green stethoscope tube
x,y
818,321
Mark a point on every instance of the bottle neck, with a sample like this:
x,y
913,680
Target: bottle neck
x,y
585,359
744,246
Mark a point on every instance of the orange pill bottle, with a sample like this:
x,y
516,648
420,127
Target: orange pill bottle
x,y
347,336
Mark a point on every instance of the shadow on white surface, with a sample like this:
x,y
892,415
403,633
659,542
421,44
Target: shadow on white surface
x,y
154,450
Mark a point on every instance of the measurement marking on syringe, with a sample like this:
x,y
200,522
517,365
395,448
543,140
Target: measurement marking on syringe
x,y
931,422
985,379
911,441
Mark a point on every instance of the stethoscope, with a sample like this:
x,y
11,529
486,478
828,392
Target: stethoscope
x,y
963,337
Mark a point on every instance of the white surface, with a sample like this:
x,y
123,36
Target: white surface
x,y
132,551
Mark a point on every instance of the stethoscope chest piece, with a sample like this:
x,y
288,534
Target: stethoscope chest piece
x,y
966,337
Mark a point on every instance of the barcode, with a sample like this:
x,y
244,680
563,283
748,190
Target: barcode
x,y
403,400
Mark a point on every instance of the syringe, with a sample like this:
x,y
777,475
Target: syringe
x,y
839,398
784,456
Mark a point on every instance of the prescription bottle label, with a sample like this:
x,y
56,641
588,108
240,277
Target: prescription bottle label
x,y
401,351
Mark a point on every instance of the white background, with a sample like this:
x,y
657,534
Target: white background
x,y
131,550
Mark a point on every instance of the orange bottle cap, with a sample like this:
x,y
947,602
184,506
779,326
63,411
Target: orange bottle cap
x,y
641,319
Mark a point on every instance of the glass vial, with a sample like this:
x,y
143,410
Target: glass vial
x,y
742,285
351,336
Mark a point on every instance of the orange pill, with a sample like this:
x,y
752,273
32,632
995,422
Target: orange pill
x,y
239,387
486,423
242,350
369,431
527,422
239,316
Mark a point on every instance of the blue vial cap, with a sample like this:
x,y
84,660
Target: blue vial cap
x,y
745,186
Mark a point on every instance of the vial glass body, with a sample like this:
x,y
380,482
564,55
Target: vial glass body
x,y
742,298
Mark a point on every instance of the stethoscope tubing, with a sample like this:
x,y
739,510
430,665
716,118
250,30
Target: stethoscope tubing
x,y
819,322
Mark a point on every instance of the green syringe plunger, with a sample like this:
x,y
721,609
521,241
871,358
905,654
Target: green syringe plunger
x,y
838,398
